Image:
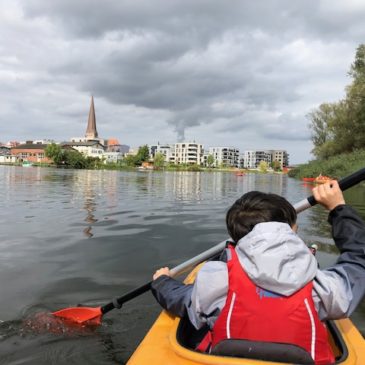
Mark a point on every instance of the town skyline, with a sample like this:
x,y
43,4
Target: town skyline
x,y
109,150
91,133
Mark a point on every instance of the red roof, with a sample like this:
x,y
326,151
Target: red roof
x,y
113,142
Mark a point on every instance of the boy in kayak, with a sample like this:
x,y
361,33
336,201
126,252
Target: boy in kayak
x,y
268,287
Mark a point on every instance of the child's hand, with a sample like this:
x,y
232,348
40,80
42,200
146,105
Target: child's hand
x,y
329,194
160,272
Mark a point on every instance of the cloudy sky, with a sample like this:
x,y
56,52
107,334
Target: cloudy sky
x,y
237,73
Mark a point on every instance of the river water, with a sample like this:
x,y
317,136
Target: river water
x,y
70,237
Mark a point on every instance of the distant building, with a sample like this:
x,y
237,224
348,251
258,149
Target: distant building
x,y
31,152
8,159
281,156
179,153
87,148
91,145
265,156
168,150
5,156
252,159
112,157
91,133
44,141
113,145
4,150
188,153
225,156
249,159
132,152
241,160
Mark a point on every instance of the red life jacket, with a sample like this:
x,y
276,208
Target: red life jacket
x,y
255,314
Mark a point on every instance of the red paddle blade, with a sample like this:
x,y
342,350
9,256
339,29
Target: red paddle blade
x,y
81,314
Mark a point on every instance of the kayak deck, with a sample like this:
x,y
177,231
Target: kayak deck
x,y
161,347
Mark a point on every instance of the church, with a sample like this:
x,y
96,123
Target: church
x,y
93,146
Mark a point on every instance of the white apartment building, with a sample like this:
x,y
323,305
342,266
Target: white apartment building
x,y
112,157
90,148
263,156
249,159
252,159
8,159
225,156
281,156
168,150
188,153
241,160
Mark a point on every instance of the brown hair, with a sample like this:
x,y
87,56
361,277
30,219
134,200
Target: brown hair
x,y
257,207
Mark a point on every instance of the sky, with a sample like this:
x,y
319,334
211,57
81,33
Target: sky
x,y
237,73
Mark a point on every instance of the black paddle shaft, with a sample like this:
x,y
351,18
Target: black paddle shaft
x,y
344,184
118,302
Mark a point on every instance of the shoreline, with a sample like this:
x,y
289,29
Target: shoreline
x,y
166,169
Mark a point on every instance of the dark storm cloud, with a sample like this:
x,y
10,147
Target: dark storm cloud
x,y
230,66
200,20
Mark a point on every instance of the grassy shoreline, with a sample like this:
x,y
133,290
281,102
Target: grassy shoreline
x,y
335,167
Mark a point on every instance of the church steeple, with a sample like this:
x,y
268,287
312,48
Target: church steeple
x,y
91,132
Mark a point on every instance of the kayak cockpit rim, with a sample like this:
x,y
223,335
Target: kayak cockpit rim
x,y
338,341
188,337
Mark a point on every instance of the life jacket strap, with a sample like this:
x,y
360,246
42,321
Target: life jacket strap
x,y
205,344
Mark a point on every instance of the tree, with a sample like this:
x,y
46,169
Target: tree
x,y
276,165
159,160
94,162
322,130
143,154
340,127
210,160
263,165
357,69
75,159
355,99
193,167
130,160
54,152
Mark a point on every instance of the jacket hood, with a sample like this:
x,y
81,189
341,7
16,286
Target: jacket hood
x,y
276,259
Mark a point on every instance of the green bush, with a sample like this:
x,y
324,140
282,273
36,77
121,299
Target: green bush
x,y
194,167
336,166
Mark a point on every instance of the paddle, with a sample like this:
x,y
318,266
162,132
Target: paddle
x,y
93,315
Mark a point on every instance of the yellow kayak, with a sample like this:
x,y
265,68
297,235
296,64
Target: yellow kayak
x,y
163,344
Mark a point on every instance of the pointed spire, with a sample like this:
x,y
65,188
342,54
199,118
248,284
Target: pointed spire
x,y
91,131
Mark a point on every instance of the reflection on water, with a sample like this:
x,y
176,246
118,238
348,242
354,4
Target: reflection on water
x,y
90,207
88,236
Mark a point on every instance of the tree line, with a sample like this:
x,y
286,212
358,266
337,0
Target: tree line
x,y
71,158
339,127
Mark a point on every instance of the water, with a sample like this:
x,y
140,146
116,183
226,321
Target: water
x,y
70,237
